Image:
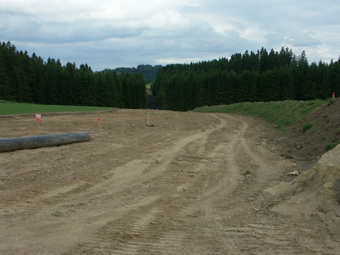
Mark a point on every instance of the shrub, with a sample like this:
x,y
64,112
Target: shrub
x,y
331,146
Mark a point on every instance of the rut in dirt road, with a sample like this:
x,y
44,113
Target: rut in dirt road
x,y
160,226
192,179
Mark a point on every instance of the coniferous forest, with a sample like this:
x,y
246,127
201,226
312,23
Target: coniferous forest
x,y
30,79
249,77
261,76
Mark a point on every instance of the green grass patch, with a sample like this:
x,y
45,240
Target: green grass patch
x,y
23,108
331,146
307,126
281,113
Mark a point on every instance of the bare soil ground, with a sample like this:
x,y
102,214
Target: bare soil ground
x,y
192,183
325,130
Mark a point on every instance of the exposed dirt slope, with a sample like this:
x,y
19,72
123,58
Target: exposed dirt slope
x,y
316,189
191,184
325,131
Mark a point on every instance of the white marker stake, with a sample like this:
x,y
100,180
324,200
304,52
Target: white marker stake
x,y
38,117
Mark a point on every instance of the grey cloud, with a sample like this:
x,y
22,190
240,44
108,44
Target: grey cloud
x,y
293,38
303,39
117,33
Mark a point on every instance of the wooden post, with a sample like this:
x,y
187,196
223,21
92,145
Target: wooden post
x,y
98,126
38,117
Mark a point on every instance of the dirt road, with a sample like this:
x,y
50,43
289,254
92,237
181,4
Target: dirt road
x,y
191,184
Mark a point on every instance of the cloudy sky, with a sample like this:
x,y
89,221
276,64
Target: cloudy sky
x,y
117,33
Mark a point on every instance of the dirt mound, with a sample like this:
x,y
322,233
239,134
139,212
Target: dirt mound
x,y
315,189
318,187
323,135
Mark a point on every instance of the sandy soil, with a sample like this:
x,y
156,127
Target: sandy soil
x,y
190,184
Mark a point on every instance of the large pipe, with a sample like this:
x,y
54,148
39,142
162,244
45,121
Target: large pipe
x,y
31,142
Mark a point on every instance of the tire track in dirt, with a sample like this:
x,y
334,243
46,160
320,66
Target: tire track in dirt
x,y
195,189
232,199
136,232
245,237
224,185
217,186
133,232
227,169
142,233
147,233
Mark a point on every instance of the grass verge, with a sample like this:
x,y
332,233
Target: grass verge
x,y
23,108
282,113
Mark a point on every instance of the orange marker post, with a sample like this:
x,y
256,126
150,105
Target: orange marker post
x,y
333,94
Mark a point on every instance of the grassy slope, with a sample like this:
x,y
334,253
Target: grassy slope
x,y
22,108
281,113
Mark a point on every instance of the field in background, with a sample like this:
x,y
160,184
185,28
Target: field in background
x,y
22,108
282,113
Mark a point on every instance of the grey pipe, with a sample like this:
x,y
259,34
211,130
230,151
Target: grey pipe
x,y
31,142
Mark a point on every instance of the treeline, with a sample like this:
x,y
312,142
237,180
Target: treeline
x,y
30,79
149,72
249,77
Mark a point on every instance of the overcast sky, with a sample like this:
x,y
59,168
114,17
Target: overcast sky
x,y
126,33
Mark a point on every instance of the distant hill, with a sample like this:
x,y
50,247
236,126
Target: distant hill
x,y
149,72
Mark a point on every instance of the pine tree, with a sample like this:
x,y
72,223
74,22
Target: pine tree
x,y
6,91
